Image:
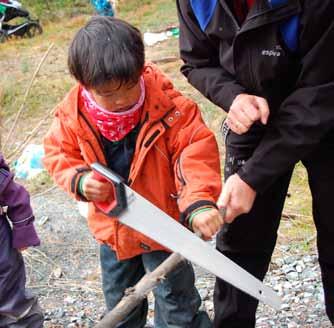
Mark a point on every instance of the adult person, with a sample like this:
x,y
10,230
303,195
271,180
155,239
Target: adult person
x,y
268,64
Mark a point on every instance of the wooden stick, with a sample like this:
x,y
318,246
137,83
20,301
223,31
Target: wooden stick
x,y
135,295
27,139
164,60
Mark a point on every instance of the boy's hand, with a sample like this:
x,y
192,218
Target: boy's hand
x,y
207,223
96,191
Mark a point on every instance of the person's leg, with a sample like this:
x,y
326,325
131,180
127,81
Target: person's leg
x,y
177,300
18,308
249,241
117,276
320,166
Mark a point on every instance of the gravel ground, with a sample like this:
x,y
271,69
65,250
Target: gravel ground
x,y
65,273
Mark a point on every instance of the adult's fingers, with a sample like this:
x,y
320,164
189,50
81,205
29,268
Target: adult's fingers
x,y
230,215
236,126
250,109
263,108
224,197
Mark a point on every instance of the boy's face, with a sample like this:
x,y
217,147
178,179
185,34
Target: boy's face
x,y
115,98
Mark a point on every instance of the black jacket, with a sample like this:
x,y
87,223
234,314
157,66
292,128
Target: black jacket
x,y
282,52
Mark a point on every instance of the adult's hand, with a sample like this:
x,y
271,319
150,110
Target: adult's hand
x,y
237,197
97,191
245,110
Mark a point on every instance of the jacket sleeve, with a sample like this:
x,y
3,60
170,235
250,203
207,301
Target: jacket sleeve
x,y
307,115
196,161
63,158
19,211
201,61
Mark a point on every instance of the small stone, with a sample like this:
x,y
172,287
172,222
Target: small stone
x,y
203,293
287,285
292,275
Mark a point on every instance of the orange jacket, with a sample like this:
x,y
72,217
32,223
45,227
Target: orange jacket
x,y
175,164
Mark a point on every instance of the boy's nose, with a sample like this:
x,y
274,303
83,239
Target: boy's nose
x,y
119,102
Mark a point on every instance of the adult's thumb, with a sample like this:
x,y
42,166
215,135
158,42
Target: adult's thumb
x,y
224,197
264,109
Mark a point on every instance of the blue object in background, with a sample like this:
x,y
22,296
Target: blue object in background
x,y
103,7
30,162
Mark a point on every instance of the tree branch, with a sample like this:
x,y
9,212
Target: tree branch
x,y
135,295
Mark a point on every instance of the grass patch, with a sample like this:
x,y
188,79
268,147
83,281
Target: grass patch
x,y
149,15
57,10
298,229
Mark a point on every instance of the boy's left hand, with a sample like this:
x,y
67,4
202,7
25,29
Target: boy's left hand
x,y
207,223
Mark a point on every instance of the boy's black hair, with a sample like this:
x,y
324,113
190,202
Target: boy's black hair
x,y
106,49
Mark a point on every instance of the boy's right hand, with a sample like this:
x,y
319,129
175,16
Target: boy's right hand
x,y
207,223
96,191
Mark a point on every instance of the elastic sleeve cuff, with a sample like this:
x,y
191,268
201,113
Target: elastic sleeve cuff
x,y
25,236
77,183
253,181
184,216
196,212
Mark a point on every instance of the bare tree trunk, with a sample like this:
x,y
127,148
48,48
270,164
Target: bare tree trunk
x,y
134,295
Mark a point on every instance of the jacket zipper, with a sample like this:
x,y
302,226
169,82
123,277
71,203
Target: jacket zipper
x,y
96,136
251,72
179,173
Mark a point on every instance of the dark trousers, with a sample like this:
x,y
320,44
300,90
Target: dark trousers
x,y
250,239
18,308
177,300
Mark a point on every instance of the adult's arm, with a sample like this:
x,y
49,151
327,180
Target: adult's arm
x,y
201,61
307,115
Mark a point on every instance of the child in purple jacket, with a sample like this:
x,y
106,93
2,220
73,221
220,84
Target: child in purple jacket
x,y
18,308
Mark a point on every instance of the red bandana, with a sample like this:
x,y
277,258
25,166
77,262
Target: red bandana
x,y
114,125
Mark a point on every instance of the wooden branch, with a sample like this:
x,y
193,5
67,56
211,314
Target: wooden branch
x,y
26,96
27,139
164,60
134,295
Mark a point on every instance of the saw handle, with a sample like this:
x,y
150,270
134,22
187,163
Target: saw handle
x,y
119,202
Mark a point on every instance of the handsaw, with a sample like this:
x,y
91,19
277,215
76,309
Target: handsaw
x,y
138,213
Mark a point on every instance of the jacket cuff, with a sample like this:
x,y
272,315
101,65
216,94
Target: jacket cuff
x,y
253,180
75,184
25,236
184,216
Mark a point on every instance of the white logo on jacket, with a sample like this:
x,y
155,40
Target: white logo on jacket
x,y
276,52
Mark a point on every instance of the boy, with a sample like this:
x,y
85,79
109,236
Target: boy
x,y
125,114
18,308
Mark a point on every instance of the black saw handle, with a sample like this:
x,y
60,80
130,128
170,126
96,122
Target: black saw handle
x,y
119,202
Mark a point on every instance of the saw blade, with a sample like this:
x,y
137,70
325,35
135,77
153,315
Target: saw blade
x,y
151,221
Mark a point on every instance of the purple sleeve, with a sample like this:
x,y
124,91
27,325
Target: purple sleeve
x,y
19,210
